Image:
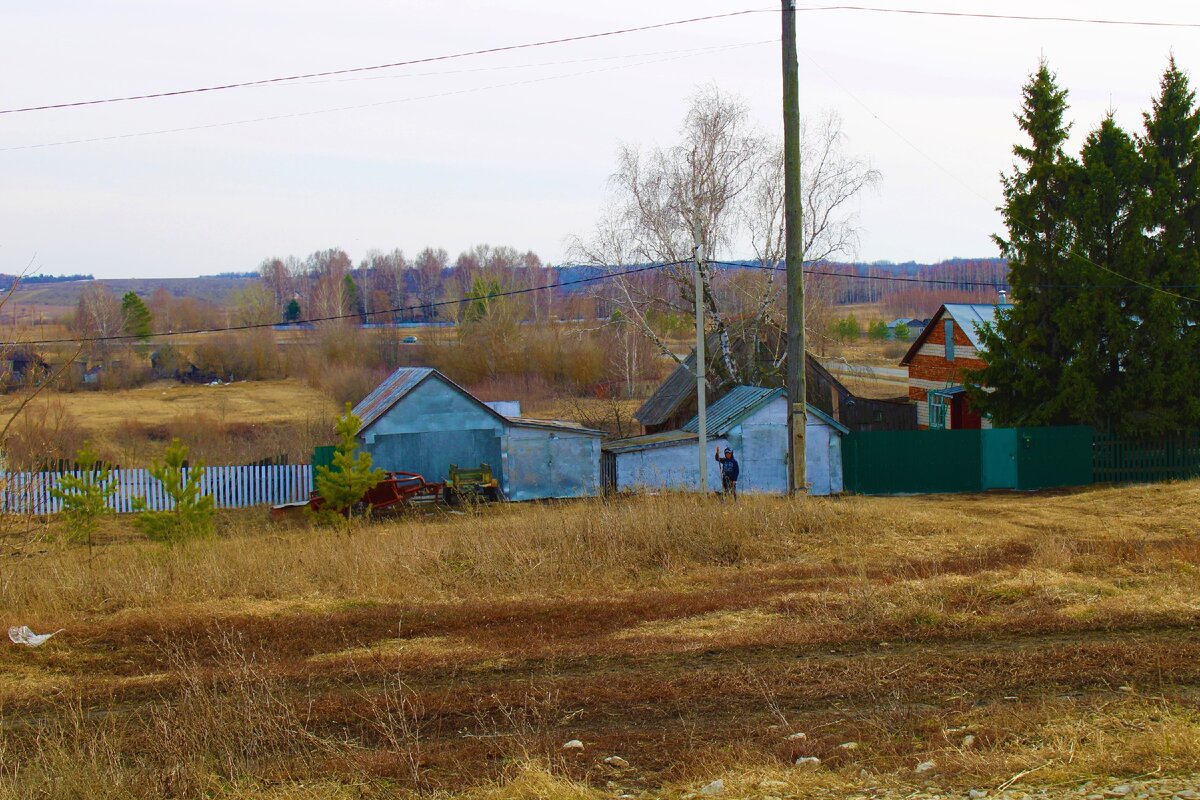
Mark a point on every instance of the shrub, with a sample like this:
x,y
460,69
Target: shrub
x,y
192,513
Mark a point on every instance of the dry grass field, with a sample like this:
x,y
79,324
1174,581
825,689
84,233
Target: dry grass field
x,y
224,424
1016,641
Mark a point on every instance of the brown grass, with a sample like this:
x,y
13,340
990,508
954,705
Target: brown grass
x,y
131,426
456,653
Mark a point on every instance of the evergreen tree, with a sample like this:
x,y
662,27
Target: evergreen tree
x,y
136,316
1103,380
191,514
351,475
354,299
1029,345
84,496
1170,330
292,313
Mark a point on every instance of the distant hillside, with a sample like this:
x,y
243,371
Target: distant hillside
x,y
214,288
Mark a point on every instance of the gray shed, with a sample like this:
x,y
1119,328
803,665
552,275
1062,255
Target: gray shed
x,y
750,419
418,420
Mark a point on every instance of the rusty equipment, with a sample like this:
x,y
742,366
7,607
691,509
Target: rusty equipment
x,y
396,491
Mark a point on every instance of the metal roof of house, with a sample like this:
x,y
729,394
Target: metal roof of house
x,y
397,386
388,392
676,389
971,317
726,413
660,439
554,424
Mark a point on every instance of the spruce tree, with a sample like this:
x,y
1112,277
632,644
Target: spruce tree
x,y
1102,382
292,313
1028,347
1170,332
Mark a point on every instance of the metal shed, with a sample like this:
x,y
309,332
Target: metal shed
x,y
750,419
418,420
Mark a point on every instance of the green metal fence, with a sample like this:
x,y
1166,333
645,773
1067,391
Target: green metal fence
x,y
1146,459
926,462
911,462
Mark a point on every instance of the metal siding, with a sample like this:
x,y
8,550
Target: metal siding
x,y
432,452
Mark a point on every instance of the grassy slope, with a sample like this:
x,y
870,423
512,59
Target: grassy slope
x,y
688,636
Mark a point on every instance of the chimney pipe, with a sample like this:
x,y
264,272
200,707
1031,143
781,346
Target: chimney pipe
x,y
1003,296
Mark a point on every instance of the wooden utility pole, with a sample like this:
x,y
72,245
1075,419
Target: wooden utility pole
x,y
793,252
701,362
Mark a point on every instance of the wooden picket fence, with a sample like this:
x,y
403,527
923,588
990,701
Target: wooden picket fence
x,y
230,487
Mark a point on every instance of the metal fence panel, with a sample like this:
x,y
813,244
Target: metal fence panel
x,y
912,462
1146,459
1054,456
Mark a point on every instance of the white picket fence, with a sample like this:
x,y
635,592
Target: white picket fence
x,y
230,487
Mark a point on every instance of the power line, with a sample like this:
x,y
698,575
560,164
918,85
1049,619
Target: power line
x,y
958,283
585,37
416,98
1010,17
392,65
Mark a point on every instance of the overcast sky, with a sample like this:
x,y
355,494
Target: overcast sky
x,y
504,149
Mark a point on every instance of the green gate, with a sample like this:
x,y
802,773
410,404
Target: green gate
x,y
1054,457
999,456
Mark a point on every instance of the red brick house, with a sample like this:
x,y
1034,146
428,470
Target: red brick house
x,y
947,347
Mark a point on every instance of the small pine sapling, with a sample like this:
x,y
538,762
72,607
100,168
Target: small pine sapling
x,y
84,496
351,475
191,515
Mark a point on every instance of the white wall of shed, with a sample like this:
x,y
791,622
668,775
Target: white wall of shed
x,y
760,445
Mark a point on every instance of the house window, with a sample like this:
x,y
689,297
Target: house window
x,y
949,340
938,404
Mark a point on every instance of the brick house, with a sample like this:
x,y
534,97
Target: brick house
x,y
946,347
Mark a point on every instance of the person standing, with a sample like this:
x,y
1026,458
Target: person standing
x,y
729,472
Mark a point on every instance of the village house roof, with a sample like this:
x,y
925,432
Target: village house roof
x,y
404,380
970,317
396,387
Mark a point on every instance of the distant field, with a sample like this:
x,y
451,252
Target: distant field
x,y
226,424
1028,643
67,294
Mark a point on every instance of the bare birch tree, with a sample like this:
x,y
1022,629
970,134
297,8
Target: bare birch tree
x,y
724,179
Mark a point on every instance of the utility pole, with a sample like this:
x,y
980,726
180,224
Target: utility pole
x,y
793,252
701,360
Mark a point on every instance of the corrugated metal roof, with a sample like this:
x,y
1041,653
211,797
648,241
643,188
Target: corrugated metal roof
x,y
554,424
659,439
726,413
676,389
387,393
973,316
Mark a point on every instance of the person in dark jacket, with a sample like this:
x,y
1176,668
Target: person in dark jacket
x,y
729,472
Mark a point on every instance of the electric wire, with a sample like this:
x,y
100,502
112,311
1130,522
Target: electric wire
x,y
392,65
695,53
589,36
